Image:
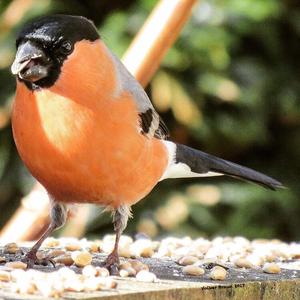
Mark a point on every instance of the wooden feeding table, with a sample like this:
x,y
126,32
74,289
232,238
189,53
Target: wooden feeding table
x,y
254,281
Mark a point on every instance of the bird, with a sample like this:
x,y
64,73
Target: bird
x,y
88,132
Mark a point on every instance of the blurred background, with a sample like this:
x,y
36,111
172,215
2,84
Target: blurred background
x,y
229,86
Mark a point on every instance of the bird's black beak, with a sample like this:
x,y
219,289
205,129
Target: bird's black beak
x,y
30,63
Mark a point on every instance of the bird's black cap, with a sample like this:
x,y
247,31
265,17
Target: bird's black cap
x,y
52,28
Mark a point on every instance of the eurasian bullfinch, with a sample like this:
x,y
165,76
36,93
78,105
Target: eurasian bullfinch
x,y
87,131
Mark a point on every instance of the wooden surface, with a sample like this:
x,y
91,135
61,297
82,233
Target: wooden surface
x,y
240,284
129,289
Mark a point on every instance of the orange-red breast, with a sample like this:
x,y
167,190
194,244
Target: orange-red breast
x,y
86,129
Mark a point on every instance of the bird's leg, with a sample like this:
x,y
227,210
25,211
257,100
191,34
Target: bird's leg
x,y
112,260
58,215
120,218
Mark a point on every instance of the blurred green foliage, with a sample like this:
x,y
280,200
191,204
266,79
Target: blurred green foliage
x,y
229,86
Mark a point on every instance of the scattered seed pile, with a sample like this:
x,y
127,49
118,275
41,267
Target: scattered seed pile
x,y
78,268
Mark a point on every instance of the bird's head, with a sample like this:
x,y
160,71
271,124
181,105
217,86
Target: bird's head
x,y
44,45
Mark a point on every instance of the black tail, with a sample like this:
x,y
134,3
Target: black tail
x,y
201,163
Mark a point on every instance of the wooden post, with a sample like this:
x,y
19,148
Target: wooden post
x,y
142,58
159,32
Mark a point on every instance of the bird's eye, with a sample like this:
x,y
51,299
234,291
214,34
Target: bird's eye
x,y
66,47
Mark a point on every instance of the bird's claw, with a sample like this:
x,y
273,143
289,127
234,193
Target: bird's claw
x,y
112,263
211,265
31,260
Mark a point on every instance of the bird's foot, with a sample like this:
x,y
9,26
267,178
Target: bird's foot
x,y
112,263
31,260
